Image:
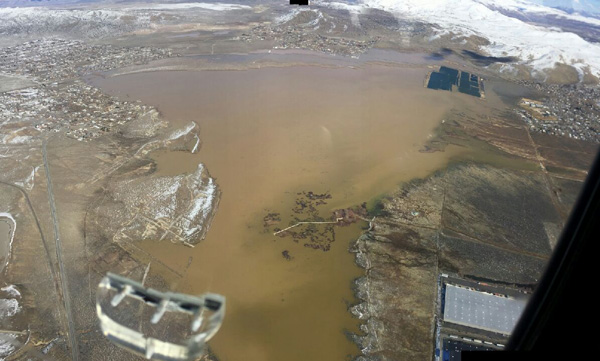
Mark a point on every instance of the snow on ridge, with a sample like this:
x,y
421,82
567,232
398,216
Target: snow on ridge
x,y
182,132
20,14
97,21
353,9
11,290
203,203
316,21
292,14
43,19
92,22
289,16
535,46
179,6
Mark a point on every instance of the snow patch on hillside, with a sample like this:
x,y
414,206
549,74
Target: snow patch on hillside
x,y
205,197
354,9
182,132
8,307
289,16
11,290
6,344
176,208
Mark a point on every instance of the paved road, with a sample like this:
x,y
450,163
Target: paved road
x,y
61,268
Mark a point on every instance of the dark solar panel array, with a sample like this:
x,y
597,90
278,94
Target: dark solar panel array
x,y
451,73
469,84
439,81
452,349
446,77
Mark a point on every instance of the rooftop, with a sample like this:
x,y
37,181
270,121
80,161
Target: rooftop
x,y
482,310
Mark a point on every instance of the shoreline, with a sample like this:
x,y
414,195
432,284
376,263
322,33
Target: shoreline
x,y
434,225
313,59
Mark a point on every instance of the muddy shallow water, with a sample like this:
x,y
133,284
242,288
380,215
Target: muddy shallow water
x,y
5,236
267,135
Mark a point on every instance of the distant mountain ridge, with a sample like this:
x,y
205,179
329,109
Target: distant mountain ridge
x,y
29,3
591,7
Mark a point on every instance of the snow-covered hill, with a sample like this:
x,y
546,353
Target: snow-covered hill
x,y
533,44
98,21
91,23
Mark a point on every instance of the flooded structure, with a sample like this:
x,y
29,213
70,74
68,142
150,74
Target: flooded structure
x,y
452,79
453,347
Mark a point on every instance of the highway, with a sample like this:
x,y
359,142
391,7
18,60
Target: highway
x,y
61,269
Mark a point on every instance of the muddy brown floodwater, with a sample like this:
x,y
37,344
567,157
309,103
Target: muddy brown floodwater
x,y
5,236
267,135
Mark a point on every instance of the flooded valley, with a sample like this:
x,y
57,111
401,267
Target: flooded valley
x,y
289,159
267,135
